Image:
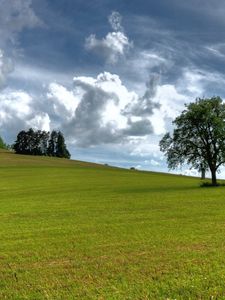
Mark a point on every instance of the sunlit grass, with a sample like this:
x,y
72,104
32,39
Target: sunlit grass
x,y
71,230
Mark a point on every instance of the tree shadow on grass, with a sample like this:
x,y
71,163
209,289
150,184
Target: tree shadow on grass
x,y
207,184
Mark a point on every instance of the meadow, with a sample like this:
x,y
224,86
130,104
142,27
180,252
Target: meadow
x,y
73,230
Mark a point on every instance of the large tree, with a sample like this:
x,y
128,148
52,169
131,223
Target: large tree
x,y
198,138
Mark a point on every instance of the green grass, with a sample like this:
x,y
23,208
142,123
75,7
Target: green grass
x,y
73,230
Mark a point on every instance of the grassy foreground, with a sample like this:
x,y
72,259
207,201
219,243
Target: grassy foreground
x,y
71,230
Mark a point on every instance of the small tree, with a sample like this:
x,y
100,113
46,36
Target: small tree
x,y
21,144
198,138
52,143
61,150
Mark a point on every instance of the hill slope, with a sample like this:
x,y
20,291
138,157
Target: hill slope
x,y
10,159
73,230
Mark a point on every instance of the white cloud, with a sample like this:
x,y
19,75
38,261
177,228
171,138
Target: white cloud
x,y
15,104
40,121
196,81
103,110
114,45
17,113
63,101
99,110
170,104
171,101
144,106
90,125
146,147
172,97
92,113
192,82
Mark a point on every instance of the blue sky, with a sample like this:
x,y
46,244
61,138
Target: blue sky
x,y
112,75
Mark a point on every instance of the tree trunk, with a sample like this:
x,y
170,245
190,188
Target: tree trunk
x,y
202,173
214,181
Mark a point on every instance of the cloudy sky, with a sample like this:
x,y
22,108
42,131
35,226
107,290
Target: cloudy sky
x,y
110,74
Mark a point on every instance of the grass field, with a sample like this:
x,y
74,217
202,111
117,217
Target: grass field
x,y
72,230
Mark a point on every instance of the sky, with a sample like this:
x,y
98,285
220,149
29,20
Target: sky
x,y
110,74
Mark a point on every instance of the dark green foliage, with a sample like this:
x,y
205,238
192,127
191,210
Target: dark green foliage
x,y
41,143
198,138
32,142
61,150
51,151
2,144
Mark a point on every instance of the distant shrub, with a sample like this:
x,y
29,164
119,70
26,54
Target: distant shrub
x,y
132,168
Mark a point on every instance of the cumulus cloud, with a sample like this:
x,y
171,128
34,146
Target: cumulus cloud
x,y
114,45
144,106
171,97
62,101
171,103
111,47
196,81
88,126
39,121
96,111
138,128
17,113
103,110
92,114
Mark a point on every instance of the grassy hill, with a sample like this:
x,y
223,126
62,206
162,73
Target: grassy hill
x,y
73,230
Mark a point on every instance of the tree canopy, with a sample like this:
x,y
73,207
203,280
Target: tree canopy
x,y
198,138
41,143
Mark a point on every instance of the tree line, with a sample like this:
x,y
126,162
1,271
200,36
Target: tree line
x,y
39,142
